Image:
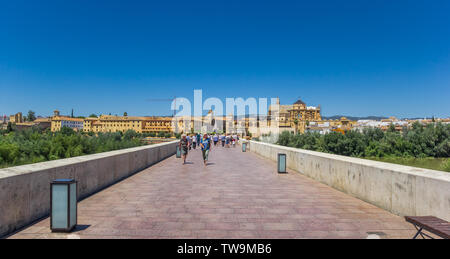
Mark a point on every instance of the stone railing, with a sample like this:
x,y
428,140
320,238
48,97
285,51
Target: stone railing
x,y
25,190
402,190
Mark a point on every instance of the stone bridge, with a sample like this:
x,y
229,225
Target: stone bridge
x,y
236,195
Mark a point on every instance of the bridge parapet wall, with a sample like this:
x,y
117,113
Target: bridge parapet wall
x,y
402,190
25,190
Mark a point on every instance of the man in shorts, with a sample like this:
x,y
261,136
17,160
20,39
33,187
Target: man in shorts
x,y
189,141
194,141
184,146
199,138
222,140
215,139
205,144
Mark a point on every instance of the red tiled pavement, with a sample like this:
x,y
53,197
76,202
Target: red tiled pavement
x,y
238,195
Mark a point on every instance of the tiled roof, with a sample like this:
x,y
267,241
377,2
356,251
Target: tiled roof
x,y
64,118
42,120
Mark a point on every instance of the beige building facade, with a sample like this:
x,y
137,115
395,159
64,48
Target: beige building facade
x,y
111,123
293,117
16,118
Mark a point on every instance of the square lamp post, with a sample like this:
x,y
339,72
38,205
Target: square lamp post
x,y
63,205
281,163
178,151
244,147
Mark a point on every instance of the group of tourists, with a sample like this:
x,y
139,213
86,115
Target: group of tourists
x,y
205,142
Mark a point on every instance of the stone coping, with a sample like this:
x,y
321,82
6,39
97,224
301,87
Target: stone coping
x,y
423,172
36,167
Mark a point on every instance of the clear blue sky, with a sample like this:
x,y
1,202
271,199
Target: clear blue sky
x,y
353,57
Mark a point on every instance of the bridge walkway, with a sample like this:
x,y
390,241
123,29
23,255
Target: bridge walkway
x,y
237,195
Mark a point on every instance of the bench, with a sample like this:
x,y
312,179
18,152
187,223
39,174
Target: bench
x,y
431,224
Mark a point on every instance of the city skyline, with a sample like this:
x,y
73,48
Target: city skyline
x,y
239,103
352,58
326,117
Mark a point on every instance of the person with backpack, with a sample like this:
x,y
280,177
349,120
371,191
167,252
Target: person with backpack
x,y
205,145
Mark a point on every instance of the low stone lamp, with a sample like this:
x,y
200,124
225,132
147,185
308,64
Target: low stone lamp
x,y
63,205
281,163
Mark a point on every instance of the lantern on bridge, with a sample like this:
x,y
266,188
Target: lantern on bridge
x,y
281,163
63,205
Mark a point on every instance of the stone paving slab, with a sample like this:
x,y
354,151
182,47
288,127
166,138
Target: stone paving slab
x,y
237,195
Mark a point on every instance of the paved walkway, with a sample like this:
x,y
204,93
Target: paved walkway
x,y
238,195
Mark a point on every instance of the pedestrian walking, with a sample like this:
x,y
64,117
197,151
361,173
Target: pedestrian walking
x,y
184,145
205,144
194,141
198,138
215,139
189,139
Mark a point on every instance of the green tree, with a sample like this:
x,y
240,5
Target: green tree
x,y
130,134
391,128
66,131
31,116
419,141
9,127
296,125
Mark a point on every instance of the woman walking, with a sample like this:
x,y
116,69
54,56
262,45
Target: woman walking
x,y
234,139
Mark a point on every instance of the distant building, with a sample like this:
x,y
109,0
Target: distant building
x,y
58,122
293,117
4,122
383,124
42,123
24,125
109,123
327,126
16,118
